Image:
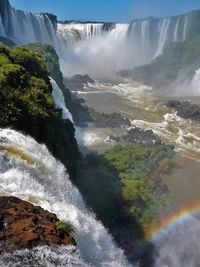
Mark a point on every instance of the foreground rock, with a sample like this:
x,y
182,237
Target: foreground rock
x,y
185,109
114,120
23,225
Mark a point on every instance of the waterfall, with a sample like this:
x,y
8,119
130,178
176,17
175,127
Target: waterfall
x,y
60,101
175,39
99,56
163,30
81,46
2,32
185,29
44,182
24,27
145,37
195,83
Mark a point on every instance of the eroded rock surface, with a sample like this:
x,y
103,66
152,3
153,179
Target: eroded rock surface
x,y
23,225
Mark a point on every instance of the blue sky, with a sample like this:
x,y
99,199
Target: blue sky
x,y
107,10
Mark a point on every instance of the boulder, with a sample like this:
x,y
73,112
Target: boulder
x,y
114,120
23,225
138,135
185,110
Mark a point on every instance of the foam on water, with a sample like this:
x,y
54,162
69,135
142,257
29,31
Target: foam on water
x,y
44,182
44,257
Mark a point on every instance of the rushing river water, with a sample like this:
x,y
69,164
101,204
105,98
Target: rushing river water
x,y
146,109
177,245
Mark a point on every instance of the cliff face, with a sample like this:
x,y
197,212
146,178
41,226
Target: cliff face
x,y
23,225
27,104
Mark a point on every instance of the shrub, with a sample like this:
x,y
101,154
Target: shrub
x,y
65,227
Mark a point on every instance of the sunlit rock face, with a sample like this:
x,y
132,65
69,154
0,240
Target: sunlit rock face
x,y
23,225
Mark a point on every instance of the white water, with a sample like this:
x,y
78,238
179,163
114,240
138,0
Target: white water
x,y
176,30
81,46
45,182
77,31
195,83
44,257
185,29
60,101
163,29
103,51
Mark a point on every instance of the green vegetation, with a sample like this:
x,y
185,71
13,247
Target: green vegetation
x,y
52,64
177,59
123,186
65,227
26,104
80,113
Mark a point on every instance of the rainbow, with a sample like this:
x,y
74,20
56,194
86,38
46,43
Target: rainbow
x,y
168,222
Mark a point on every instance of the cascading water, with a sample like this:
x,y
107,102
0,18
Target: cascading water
x,y
80,46
176,30
60,101
163,29
195,83
185,29
44,182
23,27
77,31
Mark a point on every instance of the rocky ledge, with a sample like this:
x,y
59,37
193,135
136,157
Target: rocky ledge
x,y
23,225
136,135
185,109
78,82
113,120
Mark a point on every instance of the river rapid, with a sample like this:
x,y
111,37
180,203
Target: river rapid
x,y
176,246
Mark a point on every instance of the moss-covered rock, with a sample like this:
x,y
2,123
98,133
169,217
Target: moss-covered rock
x,y
52,64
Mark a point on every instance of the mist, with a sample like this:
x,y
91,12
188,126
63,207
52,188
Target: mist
x,y
100,56
179,246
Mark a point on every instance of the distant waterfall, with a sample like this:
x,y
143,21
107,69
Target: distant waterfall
x,y
110,47
176,30
196,82
185,29
77,31
44,182
163,29
60,101
29,28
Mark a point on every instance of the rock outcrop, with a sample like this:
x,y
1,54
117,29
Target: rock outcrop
x,y
138,135
113,120
23,225
78,82
185,109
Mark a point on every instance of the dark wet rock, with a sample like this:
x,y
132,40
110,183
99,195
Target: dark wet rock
x,y
78,82
138,135
186,110
113,139
23,225
173,103
114,120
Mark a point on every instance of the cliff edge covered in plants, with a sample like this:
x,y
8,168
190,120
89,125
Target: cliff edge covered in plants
x,y
27,104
